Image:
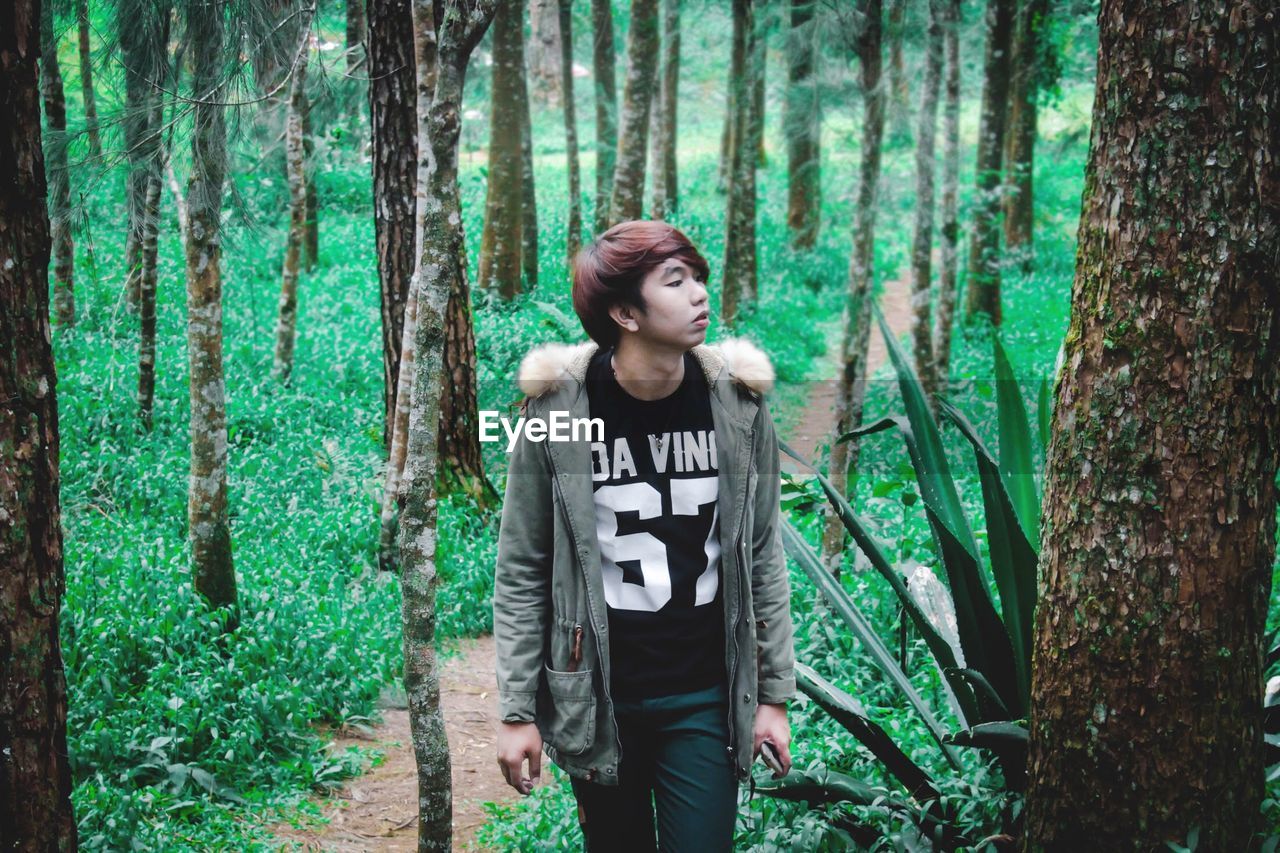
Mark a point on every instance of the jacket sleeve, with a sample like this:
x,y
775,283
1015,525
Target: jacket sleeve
x,y
770,584
522,581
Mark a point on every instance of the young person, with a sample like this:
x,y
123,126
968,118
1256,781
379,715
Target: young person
x,y
641,601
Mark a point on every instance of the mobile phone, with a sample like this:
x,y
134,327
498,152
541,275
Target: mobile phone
x,y
769,753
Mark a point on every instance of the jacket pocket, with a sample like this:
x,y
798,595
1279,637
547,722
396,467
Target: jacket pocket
x,y
569,723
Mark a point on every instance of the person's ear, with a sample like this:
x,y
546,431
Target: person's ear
x,y
625,316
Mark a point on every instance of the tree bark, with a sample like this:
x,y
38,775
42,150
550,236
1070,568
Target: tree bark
x,y
311,233
456,34
740,206
602,61
922,240
665,190
355,36
627,201
287,313
758,67
851,389
544,52
393,127
55,110
899,90
86,81
983,289
1020,138
148,278
528,198
1160,503
502,238
35,812
208,526
573,242
802,127
950,230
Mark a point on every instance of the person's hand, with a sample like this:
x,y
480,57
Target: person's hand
x,y
516,742
771,725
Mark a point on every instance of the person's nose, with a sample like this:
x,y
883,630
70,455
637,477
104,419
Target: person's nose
x,y
699,293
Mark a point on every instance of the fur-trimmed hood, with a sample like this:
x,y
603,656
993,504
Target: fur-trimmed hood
x,y
547,366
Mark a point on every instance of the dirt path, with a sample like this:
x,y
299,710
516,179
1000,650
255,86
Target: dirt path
x,y
378,810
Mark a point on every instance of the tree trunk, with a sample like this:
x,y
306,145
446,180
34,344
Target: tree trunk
x,y
501,239
528,198
355,36
208,526
899,90
573,241
55,110
456,35
627,201
1160,500
922,241
851,389
950,214
86,81
802,127
983,290
461,464
725,168
544,52
1020,138
311,234
35,812
758,63
602,61
740,207
287,314
670,108
393,127
655,143
147,280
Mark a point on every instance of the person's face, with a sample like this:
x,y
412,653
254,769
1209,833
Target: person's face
x,y
676,312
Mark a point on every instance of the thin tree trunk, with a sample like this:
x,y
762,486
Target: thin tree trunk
x,y
35,811
1020,139
899,89
287,313
740,206
573,242
86,81
55,110
1159,528
627,201
393,127
725,165
544,52
147,281
456,35
501,239
851,389
311,234
208,526
758,63
461,463
528,198
602,61
355,35
950,230
802,127
983,288
922,241
666,176
655,144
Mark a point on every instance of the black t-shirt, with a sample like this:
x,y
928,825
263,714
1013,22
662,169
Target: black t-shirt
x,y
657,521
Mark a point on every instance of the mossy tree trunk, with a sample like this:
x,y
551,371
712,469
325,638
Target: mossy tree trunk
x,y
35,811
950,230
1159,526
355,35
86,80
922,239
1020,138
802,127
666,196
287,312
501,239
606,91
627,201
851,386
55,143
739,284
455,36
573,240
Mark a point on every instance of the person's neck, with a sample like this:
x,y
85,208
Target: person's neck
x,y
647,373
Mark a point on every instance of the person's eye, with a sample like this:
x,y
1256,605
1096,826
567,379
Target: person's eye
x,y
675,283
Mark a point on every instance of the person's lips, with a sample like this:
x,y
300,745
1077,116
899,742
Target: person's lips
x,y
702,320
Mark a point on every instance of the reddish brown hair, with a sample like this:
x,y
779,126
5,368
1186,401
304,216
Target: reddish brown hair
x,y
609,271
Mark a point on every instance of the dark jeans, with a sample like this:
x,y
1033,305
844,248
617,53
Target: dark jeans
x,y
674,752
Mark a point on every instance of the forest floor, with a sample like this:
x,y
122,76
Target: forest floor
x,y
378,810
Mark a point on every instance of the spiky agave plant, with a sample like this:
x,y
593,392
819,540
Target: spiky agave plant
x,y
987,663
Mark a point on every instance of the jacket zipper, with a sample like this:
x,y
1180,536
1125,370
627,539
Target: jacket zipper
x,y
741,550
575,651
